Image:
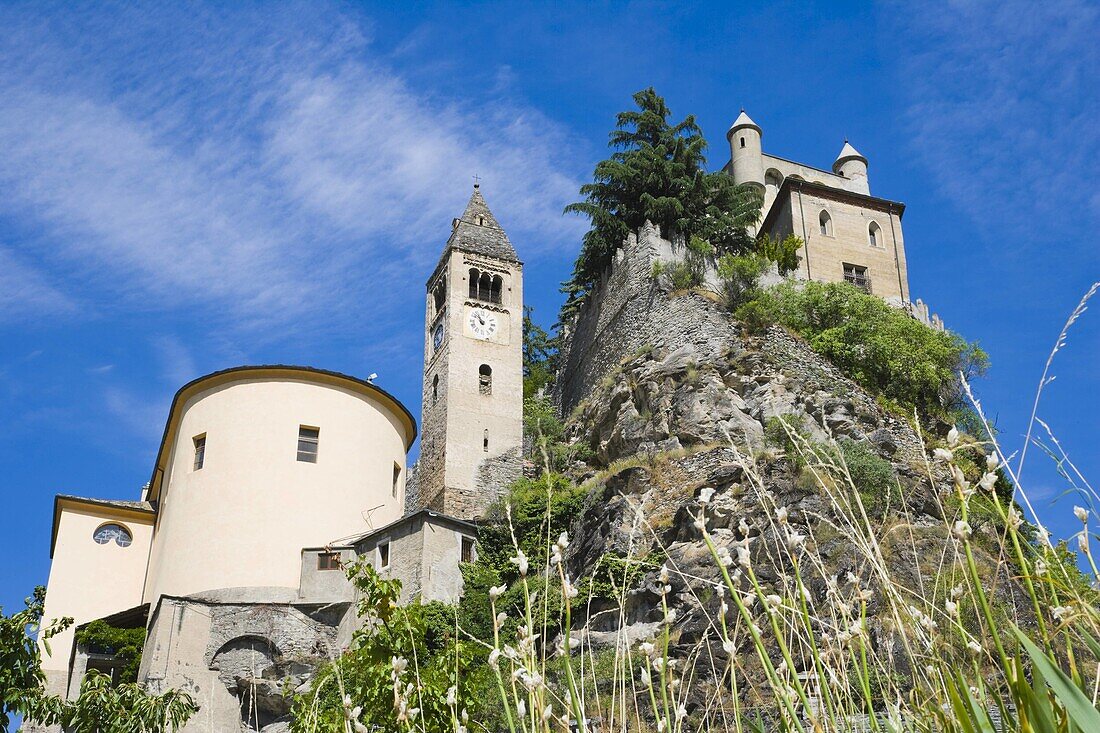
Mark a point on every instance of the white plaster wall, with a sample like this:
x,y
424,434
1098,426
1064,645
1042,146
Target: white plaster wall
x,y
243,519
89,580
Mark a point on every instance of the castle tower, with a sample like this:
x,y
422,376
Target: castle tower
x,y
473,379
746,155
852,165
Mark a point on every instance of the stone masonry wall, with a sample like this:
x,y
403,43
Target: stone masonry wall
x,y
627,311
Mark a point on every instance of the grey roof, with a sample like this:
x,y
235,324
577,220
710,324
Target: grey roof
x,y
477,231
140,506
427,514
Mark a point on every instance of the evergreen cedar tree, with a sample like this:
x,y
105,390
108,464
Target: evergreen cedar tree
x,y
657,174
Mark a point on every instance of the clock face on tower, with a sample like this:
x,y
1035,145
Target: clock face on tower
x,y
482,323
437,336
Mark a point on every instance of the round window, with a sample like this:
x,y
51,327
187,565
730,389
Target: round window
x,y
113,532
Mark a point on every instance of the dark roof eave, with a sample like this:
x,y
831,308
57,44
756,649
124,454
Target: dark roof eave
x,y
133,507
407,519
269,367
894,207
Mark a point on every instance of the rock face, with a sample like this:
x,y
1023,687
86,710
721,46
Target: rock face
x,y
658,401
693,413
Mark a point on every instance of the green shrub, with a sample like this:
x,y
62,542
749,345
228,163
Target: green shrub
x,y
783,252
740,275
879,346
872,476
123,644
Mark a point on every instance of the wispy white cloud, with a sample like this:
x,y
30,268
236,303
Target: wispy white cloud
x,y
1002,107
24,291
167,159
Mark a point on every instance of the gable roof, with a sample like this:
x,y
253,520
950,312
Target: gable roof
x,y
107,508
477,231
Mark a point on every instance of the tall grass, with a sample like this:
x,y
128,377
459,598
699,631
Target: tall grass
x,y
1001,633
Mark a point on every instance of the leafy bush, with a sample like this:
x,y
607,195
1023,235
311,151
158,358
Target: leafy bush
x,y
124,644
740,275
880,347
406,663
783,252
872,476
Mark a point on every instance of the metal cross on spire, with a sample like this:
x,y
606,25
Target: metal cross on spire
x,y
477,181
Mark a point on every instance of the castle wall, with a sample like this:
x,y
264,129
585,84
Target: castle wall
x,y
628,311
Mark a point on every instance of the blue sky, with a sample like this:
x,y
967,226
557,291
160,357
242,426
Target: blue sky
x,y
188,189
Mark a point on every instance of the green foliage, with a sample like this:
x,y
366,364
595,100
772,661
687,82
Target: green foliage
x,y
100,707
872,476
880,347
103,707
124,644
682,275
539,354
21,677
657,174
783,252
739,275
423,635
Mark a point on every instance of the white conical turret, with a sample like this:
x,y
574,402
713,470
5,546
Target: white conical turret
x,y
746,156
852,165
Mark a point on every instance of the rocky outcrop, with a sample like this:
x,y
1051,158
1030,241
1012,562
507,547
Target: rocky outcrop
x,y
659,401
669,422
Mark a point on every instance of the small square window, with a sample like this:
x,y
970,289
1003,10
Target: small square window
x,y
384,554
200,451
328,561
308,439
467,549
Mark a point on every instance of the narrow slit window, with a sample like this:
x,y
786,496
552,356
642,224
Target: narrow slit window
x,y
742,142
435,388
384,555
396,479
308,440
467,549
328,561
200,451
485,441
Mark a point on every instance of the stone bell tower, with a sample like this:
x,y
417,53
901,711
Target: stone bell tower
x,y
472,415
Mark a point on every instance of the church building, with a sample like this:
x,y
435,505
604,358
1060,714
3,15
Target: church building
x,y
269,480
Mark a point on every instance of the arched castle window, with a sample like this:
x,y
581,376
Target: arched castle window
x,y
475,274
742,142
826,223
485,379
874,234
435,388
773,178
